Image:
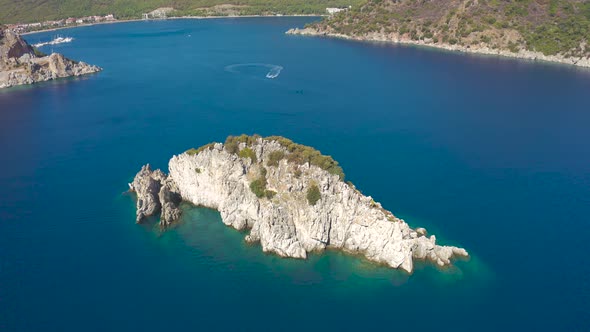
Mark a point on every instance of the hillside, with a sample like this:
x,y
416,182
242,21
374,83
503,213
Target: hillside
x,y
13,11
550,27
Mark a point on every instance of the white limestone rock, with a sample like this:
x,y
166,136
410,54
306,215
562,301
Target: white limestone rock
x,y
287,224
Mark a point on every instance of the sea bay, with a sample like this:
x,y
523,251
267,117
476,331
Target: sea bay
x,y
487,153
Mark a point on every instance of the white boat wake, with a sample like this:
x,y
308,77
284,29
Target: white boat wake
x,y
273,70
58,40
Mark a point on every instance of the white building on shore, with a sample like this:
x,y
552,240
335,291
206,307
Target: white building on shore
x,y
334,10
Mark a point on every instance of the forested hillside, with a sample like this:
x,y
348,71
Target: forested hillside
x,y
26,11
547,26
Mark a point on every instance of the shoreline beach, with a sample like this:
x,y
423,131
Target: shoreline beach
x,y
168,18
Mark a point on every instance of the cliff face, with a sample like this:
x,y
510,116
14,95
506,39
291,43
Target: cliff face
x,y
286,222
20,65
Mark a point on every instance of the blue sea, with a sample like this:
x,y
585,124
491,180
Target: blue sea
x,y
491,154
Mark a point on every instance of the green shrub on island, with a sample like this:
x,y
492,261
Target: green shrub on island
x,y
301,154
246,139
197,170
231,145
313,194
275,157
194,151
298,154
248,153
270,193
263,171
258,187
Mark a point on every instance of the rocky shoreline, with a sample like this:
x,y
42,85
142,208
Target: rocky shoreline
x,y
291,198
482,50
21,64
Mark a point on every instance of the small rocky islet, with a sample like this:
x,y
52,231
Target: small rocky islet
x,y
20,63
293,199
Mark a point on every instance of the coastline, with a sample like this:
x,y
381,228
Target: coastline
x,y
483,50
168,18
373,37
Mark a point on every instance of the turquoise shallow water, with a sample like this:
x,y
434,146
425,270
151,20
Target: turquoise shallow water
x,y
490,154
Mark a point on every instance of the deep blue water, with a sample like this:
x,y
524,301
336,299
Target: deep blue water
x,y
490,154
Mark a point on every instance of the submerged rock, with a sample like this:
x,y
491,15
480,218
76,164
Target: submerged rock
x,y
263,184
21,64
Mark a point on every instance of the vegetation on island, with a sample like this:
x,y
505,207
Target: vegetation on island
x,y
300,154
275,157
258,186
296,154
547,26
194,151
12,11
248,153
313,194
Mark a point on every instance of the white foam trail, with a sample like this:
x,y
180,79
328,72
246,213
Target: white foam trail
x,y
273,70
58,40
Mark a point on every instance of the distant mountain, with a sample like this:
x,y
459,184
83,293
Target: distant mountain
x,y
19,11
549,27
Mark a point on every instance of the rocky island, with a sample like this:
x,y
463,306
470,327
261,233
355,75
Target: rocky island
x,y
293,199
21,64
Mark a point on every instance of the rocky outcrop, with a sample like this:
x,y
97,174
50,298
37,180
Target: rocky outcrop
x,y
19,63
170,200
156,194
284,220
13,47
